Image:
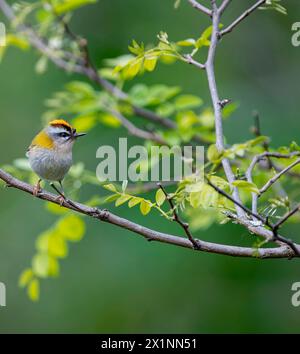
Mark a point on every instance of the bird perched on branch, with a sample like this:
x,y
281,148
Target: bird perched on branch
x,y
50,154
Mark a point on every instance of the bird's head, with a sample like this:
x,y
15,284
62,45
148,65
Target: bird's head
x,y
62,134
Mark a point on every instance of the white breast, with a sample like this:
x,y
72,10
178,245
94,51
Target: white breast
x,y
48,164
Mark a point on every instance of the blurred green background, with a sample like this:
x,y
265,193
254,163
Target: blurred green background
x,y
114,281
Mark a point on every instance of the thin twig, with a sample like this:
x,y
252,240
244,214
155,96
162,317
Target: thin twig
x,y
286,217
258,158
135,131
276,227
242,18
224,5
235,202
177,219
277,176
189,59
198,6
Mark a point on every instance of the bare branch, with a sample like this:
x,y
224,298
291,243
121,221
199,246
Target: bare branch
x,y
189,59
216,101
277,176
105,216
223,6
200,7
235,202
242,17
286,217
257,159
135,131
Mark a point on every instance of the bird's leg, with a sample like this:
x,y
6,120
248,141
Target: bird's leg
x,y
37,189
62,198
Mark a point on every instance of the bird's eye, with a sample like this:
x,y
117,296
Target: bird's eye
x,y
63,135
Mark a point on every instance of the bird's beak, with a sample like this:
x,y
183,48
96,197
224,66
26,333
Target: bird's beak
x,y
77,135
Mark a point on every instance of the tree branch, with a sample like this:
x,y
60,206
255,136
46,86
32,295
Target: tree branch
x,y
253,163
151,235
277,176
189,59
216,101
198,6
135,131
223,6
235,202
286,217
242,18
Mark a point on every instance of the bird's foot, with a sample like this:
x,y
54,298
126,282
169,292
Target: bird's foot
x,y
61,199
37,189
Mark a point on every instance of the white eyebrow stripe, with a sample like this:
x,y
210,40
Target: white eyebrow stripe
x,y
57,130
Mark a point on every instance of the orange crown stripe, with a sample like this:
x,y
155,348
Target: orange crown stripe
x,y
61,122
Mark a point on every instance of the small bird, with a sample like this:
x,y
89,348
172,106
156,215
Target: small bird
x,y
50,154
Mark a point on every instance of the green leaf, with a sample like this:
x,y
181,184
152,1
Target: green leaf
x,y
25,277
177,4
110,120
41,65
213,155
274,5
160,197
229,109
187,102
145,207
14,41
57,245
209,197
134,201
190,42
64,6
137,49
133,68
71,227
195,199
122,199
40,265
248,186
84,122
257,141
150,63
204,39
56,209
111,198
33,290
110,187
294,146
165,110
42,242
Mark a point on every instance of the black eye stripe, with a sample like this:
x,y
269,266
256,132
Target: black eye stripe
x,y
63,135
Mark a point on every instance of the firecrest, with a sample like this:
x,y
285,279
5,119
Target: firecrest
x,y
50,153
